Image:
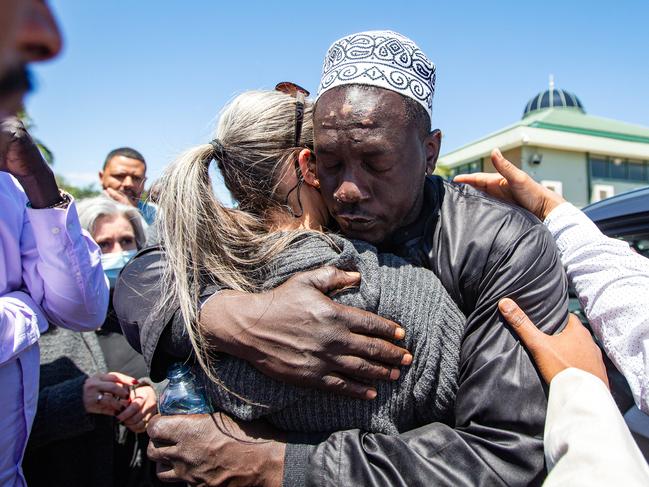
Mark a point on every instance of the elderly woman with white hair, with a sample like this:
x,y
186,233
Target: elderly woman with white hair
x,y
118,229
90,380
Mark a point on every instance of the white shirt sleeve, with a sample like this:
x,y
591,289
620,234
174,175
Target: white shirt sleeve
x,y
586,440
612,283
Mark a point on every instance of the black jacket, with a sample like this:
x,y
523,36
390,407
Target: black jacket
x,y
482,250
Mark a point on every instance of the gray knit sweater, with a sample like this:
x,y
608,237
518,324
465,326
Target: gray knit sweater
x,y
390,287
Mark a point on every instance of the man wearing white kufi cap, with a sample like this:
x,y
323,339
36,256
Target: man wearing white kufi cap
x,y
375,154
374,149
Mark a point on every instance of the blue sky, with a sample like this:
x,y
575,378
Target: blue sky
x,y
153,74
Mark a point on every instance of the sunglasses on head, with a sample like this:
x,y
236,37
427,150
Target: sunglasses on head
x,y
300,95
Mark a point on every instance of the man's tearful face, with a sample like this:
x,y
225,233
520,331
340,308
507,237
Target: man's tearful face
x,y
370,160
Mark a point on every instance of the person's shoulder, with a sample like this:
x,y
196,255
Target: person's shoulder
x,y
489,226
148,210
311,249
140,276
469,203
145,259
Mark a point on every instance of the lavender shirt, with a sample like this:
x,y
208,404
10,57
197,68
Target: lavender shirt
x,y
50,270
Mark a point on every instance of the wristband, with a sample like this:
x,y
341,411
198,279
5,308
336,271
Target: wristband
x,y
63,202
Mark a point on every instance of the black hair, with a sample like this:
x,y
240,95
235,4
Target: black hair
x,y
124,152
16,80
418,115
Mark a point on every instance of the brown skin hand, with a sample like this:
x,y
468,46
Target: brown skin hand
x,y
514,186
20,157
213,450
371,161
573,347
296,334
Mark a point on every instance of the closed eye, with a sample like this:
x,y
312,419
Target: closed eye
x,y
329,164
377,167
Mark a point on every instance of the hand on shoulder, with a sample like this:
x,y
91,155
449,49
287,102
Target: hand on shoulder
x,y
513,185
572,347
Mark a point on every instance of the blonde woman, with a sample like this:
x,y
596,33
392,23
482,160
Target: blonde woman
x,y
263,149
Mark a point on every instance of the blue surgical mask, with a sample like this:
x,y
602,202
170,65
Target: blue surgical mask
x,y
114,262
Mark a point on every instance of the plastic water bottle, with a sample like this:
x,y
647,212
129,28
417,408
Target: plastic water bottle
x,y
182,395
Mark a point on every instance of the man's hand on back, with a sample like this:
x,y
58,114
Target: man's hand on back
x,y
296,334
513,186
215,449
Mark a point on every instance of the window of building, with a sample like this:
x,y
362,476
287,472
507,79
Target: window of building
x,y
599,167
602,191
637,171
468,168
618,169
602,167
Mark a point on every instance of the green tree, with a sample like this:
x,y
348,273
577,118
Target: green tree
x,y
79,192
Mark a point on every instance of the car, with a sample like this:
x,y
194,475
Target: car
x,y
625,216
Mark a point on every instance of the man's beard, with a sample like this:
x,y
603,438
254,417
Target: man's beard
x,y
17,80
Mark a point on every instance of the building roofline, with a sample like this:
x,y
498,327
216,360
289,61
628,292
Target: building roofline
x,y
596,133
569,140
539,128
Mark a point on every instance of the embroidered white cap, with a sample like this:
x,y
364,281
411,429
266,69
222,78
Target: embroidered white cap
x,y
380,58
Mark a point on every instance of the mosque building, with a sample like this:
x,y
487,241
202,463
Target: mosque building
x,y
580,156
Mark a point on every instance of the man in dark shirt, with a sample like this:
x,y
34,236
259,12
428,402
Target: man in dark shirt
x,y
374,147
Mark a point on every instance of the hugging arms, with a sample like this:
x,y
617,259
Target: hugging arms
x,y
371,178
497,438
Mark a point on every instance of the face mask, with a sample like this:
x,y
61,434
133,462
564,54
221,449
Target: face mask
x,y
114,262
